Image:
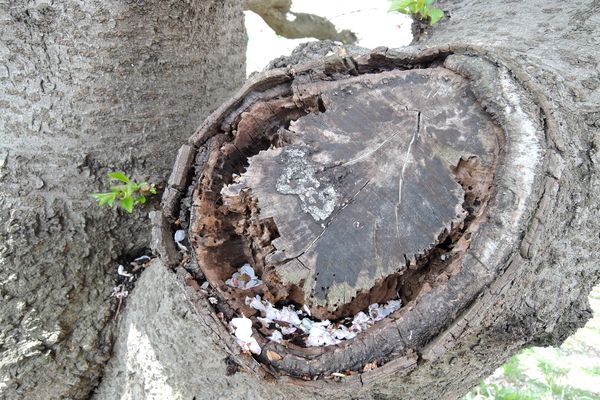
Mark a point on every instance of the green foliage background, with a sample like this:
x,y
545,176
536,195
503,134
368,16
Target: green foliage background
x,y
569,372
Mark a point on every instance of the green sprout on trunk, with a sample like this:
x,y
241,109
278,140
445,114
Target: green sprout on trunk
x,y
126,195
421,9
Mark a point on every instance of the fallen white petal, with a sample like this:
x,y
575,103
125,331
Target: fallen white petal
x,y
122,295
231,282
319,336
250,345
322,323
179,235
142,259
394,304
360,322
343,333
276,337
270,312
288,330
306,324
265,321
243,333
121,271
255,303
288,315
119,292
374,311
243,326
248,270
254,346
288,320
244,278
253,283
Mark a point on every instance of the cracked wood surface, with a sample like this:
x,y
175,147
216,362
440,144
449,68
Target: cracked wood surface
x,y
361,190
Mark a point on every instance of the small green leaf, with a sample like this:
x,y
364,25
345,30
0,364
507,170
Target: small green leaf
x,y
435,14
127,204
119,176
128,190
98,196
105,198
127,194
117,188
402,6
135,187
420,9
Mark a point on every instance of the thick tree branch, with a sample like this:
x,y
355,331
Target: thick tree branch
x,y
276,14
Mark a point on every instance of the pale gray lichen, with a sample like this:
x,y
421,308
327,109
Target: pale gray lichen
x,y
298,178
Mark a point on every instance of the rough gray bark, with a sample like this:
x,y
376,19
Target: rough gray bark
x,y
85,88
538,294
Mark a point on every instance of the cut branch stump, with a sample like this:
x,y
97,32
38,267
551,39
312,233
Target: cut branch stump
x,y
356,179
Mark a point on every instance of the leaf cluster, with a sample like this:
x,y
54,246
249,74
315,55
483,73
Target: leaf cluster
x,y
421,9
127,194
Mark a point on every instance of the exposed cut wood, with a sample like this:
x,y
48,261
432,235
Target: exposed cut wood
x,y
363,189
347,196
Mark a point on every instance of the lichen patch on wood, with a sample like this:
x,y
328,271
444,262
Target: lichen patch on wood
x,y
317,198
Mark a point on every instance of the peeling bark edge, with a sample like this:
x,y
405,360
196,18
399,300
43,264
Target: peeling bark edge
x,y
383,59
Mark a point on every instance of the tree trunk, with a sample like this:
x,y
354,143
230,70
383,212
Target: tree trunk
x,y
521,278
89,87
516,106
